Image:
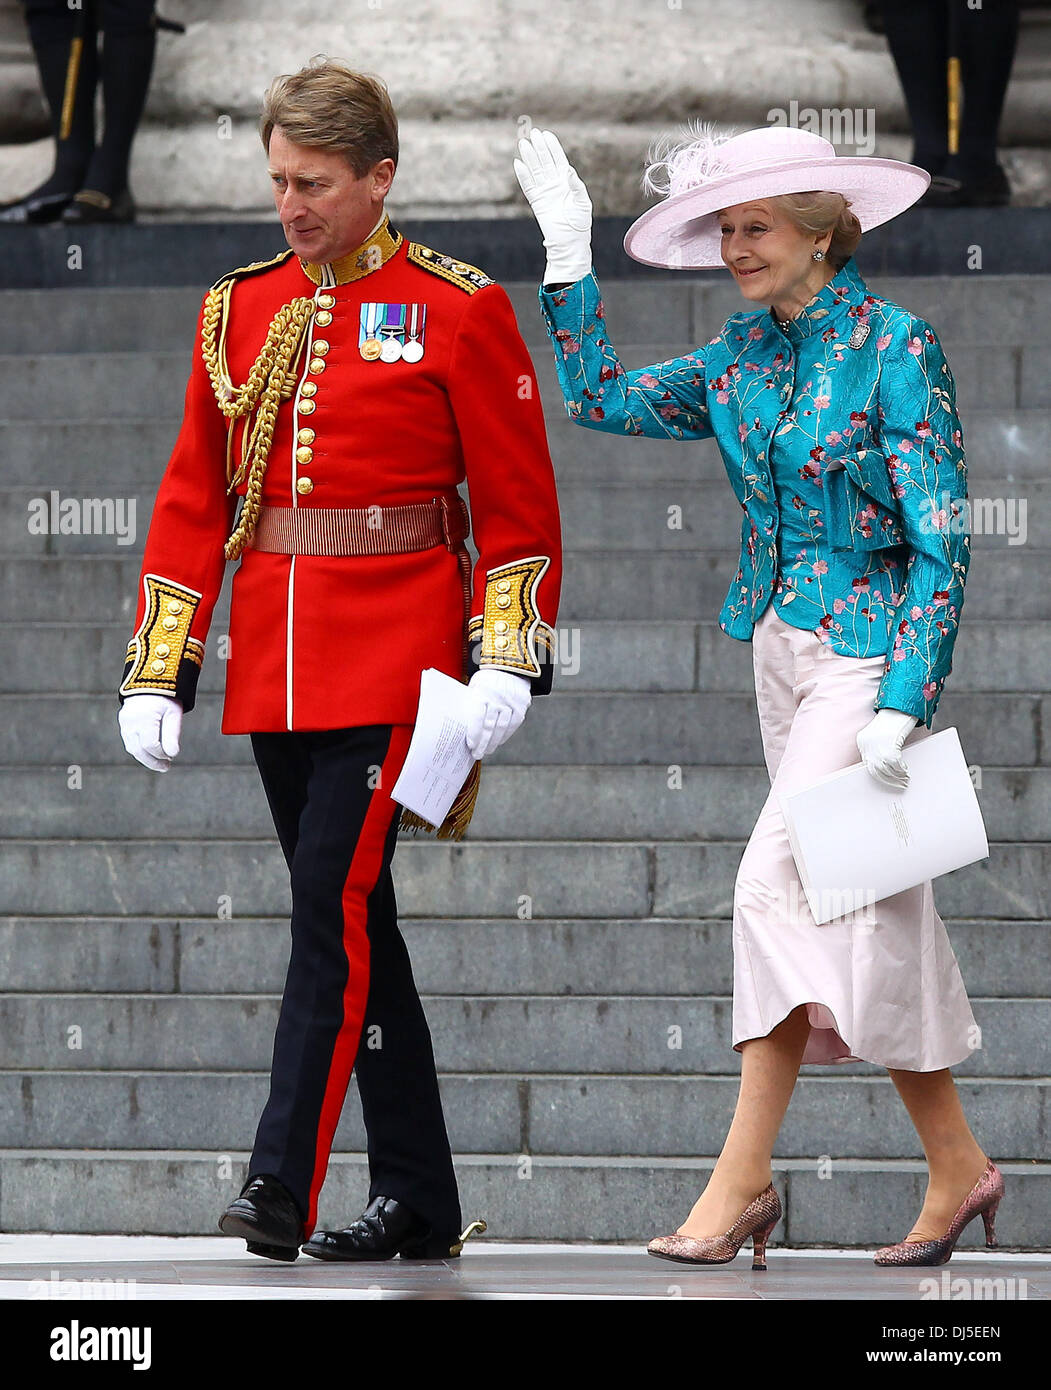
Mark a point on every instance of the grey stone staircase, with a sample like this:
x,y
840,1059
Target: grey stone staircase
x,y
136,1022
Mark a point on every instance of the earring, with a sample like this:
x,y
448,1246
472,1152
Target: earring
x,y
818,255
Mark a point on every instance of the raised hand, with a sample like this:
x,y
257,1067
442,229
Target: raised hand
x,y
560,204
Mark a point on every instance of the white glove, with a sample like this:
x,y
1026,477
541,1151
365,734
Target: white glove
x,y
501,701
880,743
150,726
560,205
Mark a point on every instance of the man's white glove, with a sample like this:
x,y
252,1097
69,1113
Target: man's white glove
x,y
150,726
560,205
880,743
501,701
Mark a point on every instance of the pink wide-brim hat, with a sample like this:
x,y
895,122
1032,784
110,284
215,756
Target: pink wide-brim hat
x,y
682,232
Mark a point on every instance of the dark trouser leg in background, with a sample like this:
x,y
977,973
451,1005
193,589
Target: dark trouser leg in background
x,y
988,49
918,35
52,26
917,32
129,40
339,834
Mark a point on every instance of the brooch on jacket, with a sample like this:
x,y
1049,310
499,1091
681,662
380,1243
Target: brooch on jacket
x,y
861,332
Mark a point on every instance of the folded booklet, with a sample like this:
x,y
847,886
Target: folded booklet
x,y
856,840
438,759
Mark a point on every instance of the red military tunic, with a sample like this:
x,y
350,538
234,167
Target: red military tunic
x,y
319,642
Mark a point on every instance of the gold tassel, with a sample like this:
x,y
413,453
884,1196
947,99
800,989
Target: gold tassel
x,y
459,818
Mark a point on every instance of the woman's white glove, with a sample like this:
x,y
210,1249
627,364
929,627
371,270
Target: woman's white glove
x,y
150,726
501,701
880,743
560,205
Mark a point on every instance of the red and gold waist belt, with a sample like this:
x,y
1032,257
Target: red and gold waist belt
x,y
362,530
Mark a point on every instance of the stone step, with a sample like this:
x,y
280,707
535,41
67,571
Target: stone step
x,y
248,878
670,1035
98,455
658,1116
564,802
962,309
139,384
999,730
487,956
599,515
687,584
992,656
828,1201
453,103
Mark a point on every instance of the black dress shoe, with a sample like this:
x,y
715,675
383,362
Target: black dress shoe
x,y
89,205
385,1228
36,208
266,1216
988,188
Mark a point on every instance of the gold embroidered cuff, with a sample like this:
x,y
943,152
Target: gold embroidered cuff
x,y
514,637
162,657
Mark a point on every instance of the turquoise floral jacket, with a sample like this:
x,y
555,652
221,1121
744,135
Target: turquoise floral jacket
x,y
841,440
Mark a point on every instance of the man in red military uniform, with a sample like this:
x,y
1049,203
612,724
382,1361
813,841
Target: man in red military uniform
x,y
342,391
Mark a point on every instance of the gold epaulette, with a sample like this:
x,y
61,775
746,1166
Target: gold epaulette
x,y
255,268
465,277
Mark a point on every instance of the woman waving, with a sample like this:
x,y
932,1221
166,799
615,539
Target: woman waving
x,y
834,412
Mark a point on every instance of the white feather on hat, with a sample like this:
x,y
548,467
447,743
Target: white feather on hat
x,y
685,161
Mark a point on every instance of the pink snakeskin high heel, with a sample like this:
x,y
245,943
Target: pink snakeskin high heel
x,y
757,1220
983,1197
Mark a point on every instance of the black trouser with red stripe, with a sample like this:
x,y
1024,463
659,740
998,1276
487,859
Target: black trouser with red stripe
x,y
349,980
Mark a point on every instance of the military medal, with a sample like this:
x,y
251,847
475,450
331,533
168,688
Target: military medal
x,y
369,344
413,349
392,328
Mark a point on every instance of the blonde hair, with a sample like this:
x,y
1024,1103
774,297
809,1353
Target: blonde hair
x,y
814,213
327,105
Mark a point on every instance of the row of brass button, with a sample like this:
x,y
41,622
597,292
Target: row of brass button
x,y
308,390
169,623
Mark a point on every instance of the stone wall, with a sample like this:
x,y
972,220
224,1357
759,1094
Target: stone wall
x,y
467,76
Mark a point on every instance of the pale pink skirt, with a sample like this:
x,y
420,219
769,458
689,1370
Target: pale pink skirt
x,y
881,985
